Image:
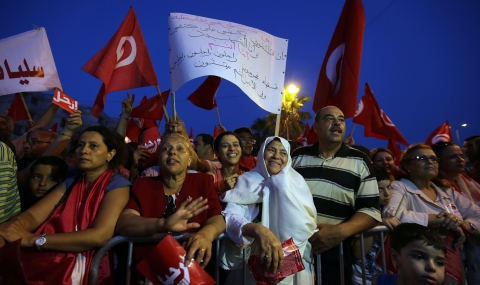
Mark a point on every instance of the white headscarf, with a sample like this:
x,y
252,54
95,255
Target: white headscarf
x,y
288,209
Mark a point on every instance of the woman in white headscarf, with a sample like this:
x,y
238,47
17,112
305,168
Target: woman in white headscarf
x,y
268,205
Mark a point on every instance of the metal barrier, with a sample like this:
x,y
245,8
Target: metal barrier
x,y
93,277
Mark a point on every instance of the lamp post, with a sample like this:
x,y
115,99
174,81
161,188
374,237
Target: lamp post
x,y
457,133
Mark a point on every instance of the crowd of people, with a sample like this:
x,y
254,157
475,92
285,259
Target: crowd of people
x,y
63,195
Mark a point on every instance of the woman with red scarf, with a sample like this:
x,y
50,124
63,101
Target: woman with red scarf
x,y
59,234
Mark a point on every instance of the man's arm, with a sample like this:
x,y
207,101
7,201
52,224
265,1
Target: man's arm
x,y
329,236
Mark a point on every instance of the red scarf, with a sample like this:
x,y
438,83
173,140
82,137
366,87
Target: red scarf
x,y
247,163
55,267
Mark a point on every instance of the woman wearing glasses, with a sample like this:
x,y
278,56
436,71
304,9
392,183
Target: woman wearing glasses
x,y
424,199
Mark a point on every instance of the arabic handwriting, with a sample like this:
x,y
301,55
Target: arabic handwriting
x,y
178,61
201,53
206,63
267,84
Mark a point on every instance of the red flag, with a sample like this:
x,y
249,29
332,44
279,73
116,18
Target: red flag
x,y
312,137
151,140
303,138
190,137
395,149
150,108
339,76
136,125
441,133
53,128
17,110
377,123
216,132
123,63
204,96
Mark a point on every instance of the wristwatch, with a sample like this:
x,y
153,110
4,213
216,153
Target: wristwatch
x,y
40,241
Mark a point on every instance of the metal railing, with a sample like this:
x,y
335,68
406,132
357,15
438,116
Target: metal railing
x,y
93,277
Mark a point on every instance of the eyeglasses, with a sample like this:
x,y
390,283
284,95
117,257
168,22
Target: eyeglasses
x,y
250,140
424,158
34,142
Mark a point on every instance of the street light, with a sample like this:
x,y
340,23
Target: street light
x,y
289,95
457,133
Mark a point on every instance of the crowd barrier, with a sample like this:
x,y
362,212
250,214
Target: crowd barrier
x,y
93,278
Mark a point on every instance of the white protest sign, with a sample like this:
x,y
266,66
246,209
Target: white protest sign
x,y
26,63
253,60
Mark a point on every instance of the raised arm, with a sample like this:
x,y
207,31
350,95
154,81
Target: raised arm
x,y
127,106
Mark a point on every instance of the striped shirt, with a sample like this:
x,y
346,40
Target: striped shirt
x,y
341,185
9,195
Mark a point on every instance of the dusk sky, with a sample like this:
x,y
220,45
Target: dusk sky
x,y
421,58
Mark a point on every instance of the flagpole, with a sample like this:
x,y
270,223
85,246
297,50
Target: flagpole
x,y
353,129
25,106
165,113
218,116
277,125
173,107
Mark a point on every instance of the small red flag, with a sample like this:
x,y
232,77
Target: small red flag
x,y
303,138
150,108
124,63
204,96
377,123
216,132
339,76
151,140
136,125
441,133
17,110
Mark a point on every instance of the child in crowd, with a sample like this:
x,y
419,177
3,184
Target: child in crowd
x,y
45,173
374,243
418,253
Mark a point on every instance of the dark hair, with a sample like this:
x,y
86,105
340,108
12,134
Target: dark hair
x,y
243,130
362,149
380,173
378,150
216,142
206,139
471,138
406,233
9,125
113,141
52,135
59,163
440,146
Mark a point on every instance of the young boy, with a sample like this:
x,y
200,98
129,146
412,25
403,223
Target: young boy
x,y
418,253
45,173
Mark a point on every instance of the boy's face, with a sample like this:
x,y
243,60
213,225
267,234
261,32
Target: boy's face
x,y
42,179
418,263
385,192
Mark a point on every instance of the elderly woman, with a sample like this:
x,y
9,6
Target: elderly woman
x,y
228,150
268,205
175,201
424,199
61,232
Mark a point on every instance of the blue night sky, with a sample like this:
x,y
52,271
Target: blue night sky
x,y
419,57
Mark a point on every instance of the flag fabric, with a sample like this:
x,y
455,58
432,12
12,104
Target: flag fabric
x,y
151,139
27,63
312,137
17,110
377,123
136,125
124,63
339,76
204,96
303,138
150,108
190,137
216,132
441,133
395,149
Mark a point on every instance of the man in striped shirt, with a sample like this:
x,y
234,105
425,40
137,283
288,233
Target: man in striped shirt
x,y
344,190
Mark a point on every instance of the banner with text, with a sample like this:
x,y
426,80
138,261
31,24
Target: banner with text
x,y
26,63
252,59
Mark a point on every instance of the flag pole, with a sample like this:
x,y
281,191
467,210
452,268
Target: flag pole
x,y
353,129
165,113
25,106
173,107
218,116
277,125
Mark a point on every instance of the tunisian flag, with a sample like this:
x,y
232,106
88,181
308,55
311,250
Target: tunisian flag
x,y
204,96
339,76
303,138
123,63
17,110
377,123
440,134
216,132
150,108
